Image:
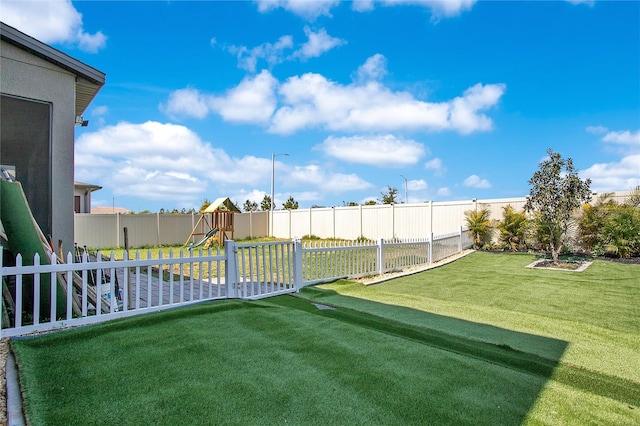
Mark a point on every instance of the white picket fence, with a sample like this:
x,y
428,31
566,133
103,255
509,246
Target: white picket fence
x,y
326,260
54,295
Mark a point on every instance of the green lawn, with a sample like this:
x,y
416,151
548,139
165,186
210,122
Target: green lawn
x,y
479,341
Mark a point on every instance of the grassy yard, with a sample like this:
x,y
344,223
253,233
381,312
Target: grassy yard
x,y
479,341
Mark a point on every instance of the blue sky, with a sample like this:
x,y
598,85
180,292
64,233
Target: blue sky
x,y
462,98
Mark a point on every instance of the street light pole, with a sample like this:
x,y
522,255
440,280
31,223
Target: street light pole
x,y
406,199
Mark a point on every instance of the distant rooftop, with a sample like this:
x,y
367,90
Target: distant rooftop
x,y
109,210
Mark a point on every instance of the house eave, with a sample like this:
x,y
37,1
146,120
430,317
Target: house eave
x,y
89,80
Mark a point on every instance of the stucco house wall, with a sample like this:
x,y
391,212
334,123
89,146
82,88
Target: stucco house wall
x,y
34,72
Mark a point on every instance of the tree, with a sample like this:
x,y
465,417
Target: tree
x,y
290,204
390,197
479,224
250,206
556,192
349,204
204,205
265,204
370,203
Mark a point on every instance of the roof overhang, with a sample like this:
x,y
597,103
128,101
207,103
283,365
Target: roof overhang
x,y
86,186
89,80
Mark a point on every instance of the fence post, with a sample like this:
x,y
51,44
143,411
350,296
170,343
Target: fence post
x,y
460,240
118,229
380,256
297,264
430,247
157,228
231,268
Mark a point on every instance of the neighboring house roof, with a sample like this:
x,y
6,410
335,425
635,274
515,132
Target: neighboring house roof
x,y
86,186
89,80
221,204
109,210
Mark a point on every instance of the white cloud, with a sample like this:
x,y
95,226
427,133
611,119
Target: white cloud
x,y
311,100
317,44
417,185
251,101
587,2
362,5
152,161
444,191
312,9
374,68
464,111
625,137
275,53
435,165
163,161
474,181
308,9
597,130
616,176
439,8
186,102
380,150
314,175
272,53
51,22
254,195
99,110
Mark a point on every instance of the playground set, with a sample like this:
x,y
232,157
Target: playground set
x,y
215,224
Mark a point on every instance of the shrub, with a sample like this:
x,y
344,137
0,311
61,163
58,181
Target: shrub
x,y
621,232
610,228
539,234
513,228
479,225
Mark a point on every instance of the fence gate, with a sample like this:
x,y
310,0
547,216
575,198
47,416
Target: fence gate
x,y
264,269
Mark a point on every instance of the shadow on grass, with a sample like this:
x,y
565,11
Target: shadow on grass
x,y
528,353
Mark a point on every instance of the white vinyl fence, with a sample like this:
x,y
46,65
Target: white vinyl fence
x,y
388,221
46,294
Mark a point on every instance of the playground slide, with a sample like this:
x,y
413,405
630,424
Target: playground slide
x,y
24,236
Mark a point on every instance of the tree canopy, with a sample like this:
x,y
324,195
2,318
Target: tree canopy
x,y
250,206
290,204
390,196
265,204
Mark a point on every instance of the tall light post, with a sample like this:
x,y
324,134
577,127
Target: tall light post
x,y
273,168
406,200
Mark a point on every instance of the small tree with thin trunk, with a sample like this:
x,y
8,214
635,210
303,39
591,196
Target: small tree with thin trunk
x,y
250,206
390,196
290,204
265,204
556,192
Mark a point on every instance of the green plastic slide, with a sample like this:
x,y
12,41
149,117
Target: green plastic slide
x,y
25,237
